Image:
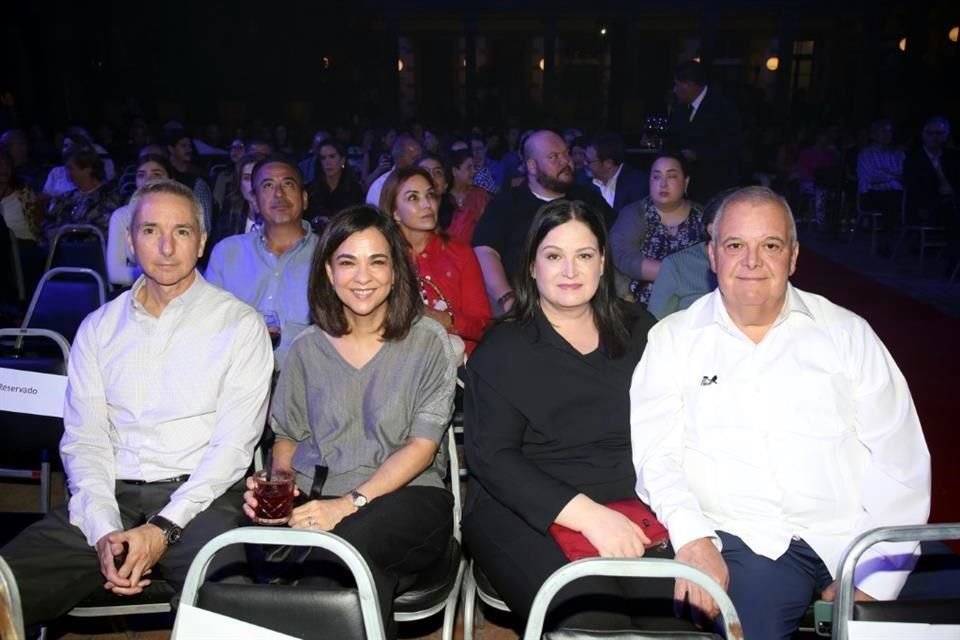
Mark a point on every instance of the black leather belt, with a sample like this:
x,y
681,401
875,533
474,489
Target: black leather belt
x,y
182,478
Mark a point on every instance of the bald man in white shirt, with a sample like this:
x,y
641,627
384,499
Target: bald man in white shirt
x,y
166,399
770,427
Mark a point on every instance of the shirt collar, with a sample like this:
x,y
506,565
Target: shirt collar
x,y
261,232
611,182
187,297
695,105
715,312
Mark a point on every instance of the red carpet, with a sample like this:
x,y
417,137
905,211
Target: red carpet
x,y
926,346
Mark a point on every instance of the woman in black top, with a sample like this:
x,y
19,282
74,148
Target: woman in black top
x,y
547,428
334,187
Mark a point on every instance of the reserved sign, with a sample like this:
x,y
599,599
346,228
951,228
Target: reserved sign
x,y
30,392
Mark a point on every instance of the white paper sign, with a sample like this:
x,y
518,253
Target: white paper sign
x,y
193,622
865,630
31,392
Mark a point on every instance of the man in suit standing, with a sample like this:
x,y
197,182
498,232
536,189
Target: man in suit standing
x,y
931,176
704,127
618,183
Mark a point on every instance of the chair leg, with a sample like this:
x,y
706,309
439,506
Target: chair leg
x,y
896,247
46,490
923,248
469,603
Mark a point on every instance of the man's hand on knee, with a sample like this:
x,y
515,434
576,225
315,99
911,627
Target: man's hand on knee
x,y
109,551
145,546
701,554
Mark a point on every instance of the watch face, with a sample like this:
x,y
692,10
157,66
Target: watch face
x,y
173,536
359,500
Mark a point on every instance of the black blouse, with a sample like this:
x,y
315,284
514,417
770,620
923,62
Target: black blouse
x,y
544,422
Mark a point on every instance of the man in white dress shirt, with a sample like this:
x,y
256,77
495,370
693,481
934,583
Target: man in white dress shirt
x,y
770,427
166,399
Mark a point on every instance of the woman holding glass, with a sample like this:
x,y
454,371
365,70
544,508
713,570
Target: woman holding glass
x,y
451,283
664,222
362,404
547,427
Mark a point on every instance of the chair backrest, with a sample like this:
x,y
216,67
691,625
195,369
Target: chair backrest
x,y
79,245
628,568
16,263
63,298
287,609
30,433
843,603
11,618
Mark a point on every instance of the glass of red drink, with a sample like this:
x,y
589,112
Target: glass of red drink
x,y
274,494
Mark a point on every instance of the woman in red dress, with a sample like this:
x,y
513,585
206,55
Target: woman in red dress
x,y
451,283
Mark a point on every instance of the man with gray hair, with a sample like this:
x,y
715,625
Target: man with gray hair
x,y
166,398
770,427
406,151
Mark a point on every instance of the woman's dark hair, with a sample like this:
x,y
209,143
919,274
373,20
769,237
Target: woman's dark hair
x,y
391,188
346,175
404,304
235,199
608,315
163,161
88,159
672,155
458,157
443,164
15,182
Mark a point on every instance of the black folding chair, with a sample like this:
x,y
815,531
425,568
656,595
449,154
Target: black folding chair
x,y
29,442
63,298
79,245
298,611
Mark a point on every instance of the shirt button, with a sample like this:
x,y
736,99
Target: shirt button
x,y
277,273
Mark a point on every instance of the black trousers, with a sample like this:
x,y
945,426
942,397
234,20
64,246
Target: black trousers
x,y
517,559
56,569
399,535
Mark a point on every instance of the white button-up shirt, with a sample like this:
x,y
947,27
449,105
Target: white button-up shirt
x,y
811,433
608,189
152,398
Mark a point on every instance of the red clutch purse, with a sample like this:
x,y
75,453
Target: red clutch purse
x,y
576,546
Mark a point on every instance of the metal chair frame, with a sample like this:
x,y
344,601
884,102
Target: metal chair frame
x,y
44,473
53,273
347,553
11,595
448,606
924,231
75,228
628,568
843,608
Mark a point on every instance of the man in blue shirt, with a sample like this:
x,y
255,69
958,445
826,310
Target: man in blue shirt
x,y
269,268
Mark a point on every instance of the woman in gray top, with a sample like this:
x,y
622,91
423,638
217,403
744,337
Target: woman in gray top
x,y
364,400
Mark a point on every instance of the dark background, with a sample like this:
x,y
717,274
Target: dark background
x,y
316,64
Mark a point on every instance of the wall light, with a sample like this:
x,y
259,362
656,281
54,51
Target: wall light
x,y
954,34
773,63
399,64
696,59
540,64
902,45
603,31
